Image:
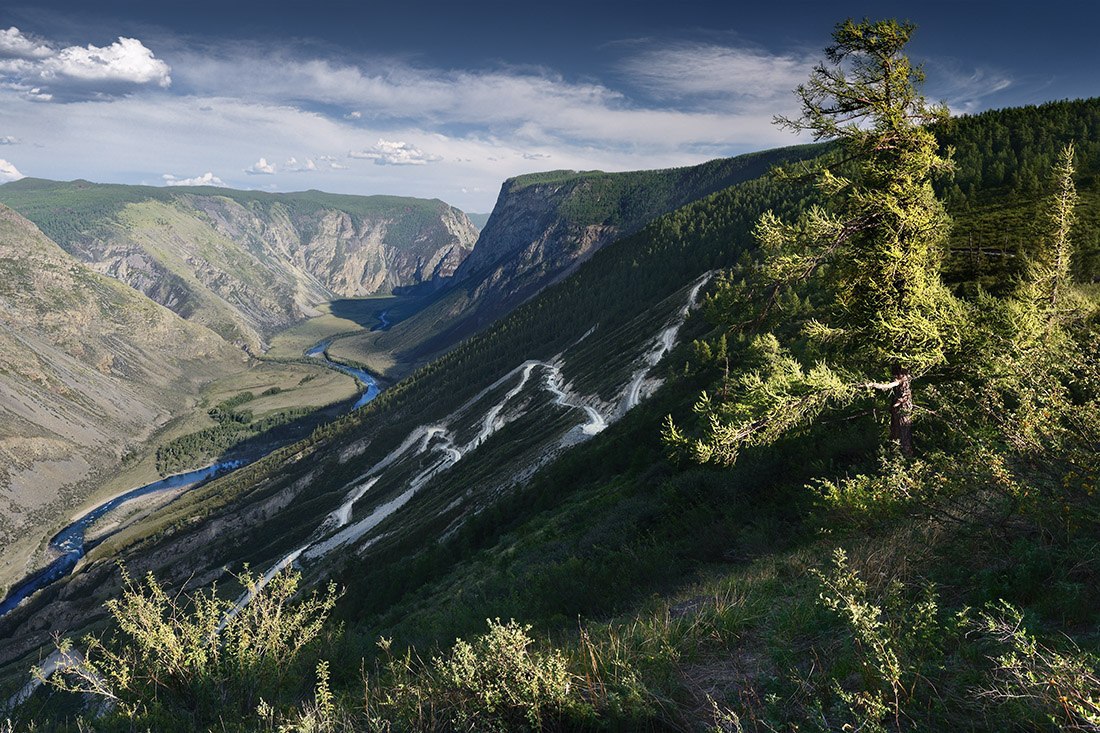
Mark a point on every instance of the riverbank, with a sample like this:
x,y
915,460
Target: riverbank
x,y
296,383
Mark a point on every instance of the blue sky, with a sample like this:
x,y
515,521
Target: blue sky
x,y
447,100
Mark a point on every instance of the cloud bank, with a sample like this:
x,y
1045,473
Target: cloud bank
x,y
206,179
395,152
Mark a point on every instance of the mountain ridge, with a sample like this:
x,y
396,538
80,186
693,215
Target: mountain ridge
x,y
248,264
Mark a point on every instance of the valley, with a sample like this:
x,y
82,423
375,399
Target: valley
x,y
159,246
532,427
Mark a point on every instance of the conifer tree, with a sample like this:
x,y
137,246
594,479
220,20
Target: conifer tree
x,y
875,249
882,241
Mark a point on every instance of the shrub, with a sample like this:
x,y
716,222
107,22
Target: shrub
x,y
186,662
1047,688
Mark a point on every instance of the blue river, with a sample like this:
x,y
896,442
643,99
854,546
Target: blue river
x,y
69,543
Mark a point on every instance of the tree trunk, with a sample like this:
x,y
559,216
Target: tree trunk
x,y
901,411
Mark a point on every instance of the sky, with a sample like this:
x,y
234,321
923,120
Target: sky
x,y
447,100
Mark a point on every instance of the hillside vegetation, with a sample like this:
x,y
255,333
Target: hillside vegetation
x,y
822,580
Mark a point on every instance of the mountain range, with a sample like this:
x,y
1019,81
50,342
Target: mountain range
x,y
514,466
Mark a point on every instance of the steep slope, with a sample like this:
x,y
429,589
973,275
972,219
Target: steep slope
x,y
400,498
542,228
88,368
446,444
247,264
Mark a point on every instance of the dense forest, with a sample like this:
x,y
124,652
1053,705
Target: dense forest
x,y
754,548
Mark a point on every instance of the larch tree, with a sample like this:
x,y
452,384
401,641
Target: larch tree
x,y
875,248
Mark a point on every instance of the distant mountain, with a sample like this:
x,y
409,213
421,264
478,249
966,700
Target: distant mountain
x,y
245,263
88,368
478,220
542,228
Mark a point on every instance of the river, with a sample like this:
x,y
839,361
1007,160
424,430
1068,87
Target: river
x,y
69,543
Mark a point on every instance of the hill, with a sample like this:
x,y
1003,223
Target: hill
x,y
88,370
244,263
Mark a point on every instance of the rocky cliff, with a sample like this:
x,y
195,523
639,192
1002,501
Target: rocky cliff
x,y
247,264
543,227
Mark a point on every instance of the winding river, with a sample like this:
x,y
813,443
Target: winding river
x,y
69,544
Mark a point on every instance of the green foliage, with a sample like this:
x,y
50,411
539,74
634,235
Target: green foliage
x,y
895,640
762,404
497,683
1002,162
500,681
1040,686
187,662
882,316
237,430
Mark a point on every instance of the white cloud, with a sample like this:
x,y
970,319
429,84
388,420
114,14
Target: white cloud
x,y
711,70
356,115
964,89
395,152
537,156
8,140
261,168
9,172
337,167
14,43
206,179
292,165
76,73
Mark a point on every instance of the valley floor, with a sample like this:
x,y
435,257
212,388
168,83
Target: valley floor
x,y
292,385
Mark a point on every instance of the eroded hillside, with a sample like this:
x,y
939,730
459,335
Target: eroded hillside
x,y
247,264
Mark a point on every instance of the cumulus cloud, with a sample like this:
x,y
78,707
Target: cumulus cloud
x,y
15,44
261,168
73,73
9,172
336,166
293,165
8,140
395,152
356,115
206,179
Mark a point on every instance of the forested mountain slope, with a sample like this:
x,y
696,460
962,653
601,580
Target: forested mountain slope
x,y
243,263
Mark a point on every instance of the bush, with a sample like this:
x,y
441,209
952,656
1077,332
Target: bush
x,y
1049,689
184,663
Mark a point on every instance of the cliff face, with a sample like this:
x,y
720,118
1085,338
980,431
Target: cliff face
x,y
533,239
88,367
543,227
248,264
